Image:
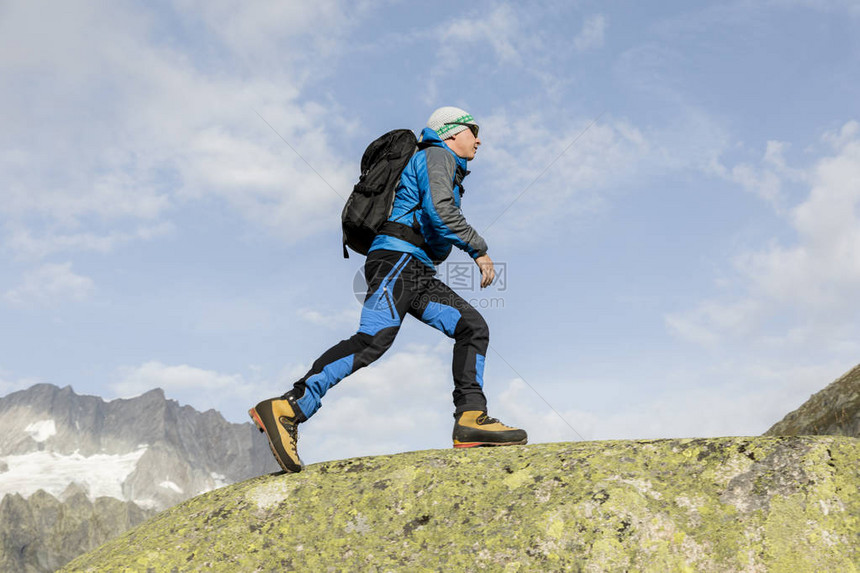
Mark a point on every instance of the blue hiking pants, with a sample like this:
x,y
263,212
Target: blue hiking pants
x,y
399,284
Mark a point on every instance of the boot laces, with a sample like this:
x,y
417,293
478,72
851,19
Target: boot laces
x,y
484,420
292,430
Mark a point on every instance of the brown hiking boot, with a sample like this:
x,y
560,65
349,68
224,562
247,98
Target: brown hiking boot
x,y
278,418
475,428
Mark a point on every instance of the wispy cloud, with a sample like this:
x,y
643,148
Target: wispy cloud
x,y
533,153
154,374
814,280
765,180
22,239
161,124
348,317
591,35
498,29
509,42
198,387
50,284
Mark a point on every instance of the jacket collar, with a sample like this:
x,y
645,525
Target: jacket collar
x,y
429,138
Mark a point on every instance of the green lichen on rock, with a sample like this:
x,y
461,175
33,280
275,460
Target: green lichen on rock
x,y
726,504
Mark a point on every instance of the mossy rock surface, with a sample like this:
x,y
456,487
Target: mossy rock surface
x,y
724,504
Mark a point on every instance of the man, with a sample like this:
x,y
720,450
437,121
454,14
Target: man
x,y
424,224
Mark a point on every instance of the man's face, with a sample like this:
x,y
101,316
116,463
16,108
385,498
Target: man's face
x,y
464,144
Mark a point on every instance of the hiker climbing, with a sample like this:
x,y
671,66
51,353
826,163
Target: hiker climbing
x,y
420,222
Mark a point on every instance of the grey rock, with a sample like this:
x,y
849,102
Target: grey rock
x,y
41,533
835,411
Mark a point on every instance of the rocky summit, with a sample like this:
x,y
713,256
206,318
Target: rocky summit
x,y
723,504
835,410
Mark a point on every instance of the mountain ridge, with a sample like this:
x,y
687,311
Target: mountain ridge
x,y
70,464
191,451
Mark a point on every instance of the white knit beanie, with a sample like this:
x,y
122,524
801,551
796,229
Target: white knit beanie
x,y
441,121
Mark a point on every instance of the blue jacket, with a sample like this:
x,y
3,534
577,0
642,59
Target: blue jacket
x,y
429,194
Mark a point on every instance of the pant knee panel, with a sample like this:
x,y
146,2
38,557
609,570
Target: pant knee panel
x,y
474,329
376,347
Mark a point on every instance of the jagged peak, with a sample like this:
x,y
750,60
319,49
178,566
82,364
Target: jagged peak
x,y
48,390
153,393
74,489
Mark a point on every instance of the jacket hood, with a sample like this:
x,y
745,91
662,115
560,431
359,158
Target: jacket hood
x,y
429,138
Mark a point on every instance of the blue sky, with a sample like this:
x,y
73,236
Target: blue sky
x,y
671,188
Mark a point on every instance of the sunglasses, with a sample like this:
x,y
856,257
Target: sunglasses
x,y
472,127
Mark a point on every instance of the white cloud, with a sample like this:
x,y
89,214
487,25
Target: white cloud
x,y
500,34
765,181
348,317
703,324
510,40
813,281
499,29
172,379
553,168
592,33
28,245
258,30
50,284
137,131
230,394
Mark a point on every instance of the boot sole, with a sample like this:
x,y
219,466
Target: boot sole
x,y
488,444
262,427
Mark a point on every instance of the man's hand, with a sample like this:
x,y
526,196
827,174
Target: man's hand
x,y
488,272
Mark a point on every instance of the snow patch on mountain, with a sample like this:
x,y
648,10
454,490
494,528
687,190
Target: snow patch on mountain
x,y
171,485
149,449
99,474
218,480
41,430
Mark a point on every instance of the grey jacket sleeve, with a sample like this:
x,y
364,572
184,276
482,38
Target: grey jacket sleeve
x,y
439,204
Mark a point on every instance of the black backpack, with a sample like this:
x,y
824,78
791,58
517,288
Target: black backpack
x,y
369,205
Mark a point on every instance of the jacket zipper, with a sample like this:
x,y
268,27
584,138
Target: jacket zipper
x,y
399,267
388,299
395,273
